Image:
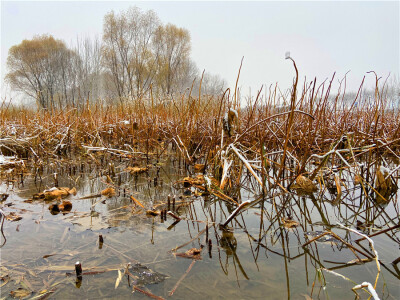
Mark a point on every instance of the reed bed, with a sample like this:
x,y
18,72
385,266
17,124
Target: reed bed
x,y
317,126
279,148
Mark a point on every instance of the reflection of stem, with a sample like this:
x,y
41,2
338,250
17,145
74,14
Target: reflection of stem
x,y
173,225
395,268
239,264
237,277
371,242
319,210
315,238
286,266
306,267
307,251
2,216
182,277
187,243
152,233
220,262
379,232
260,232
350,246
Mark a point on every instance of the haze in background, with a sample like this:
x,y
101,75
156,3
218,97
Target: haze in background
x,y
323,37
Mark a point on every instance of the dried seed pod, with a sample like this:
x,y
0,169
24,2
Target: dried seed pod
x,y
357,179
230,121
338,186
384,184
305,184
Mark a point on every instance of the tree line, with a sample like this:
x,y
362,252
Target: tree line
x,y
137,55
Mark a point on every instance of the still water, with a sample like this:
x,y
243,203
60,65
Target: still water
x,y
257,257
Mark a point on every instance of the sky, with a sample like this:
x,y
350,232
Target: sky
x,y
322,37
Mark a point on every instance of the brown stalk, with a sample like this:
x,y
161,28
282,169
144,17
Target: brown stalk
x,y
290,120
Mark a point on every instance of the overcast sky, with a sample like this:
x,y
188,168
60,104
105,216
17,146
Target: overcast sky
x,y
323,37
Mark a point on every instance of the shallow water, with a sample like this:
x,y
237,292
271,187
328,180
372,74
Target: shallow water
x,y
257,258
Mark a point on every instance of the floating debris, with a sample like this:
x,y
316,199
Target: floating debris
x,y
289,223
13,217
145,276
193,253
108,192
55,193
152,213
20,293
136,170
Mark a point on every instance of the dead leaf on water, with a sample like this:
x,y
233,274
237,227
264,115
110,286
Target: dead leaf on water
x,y
136,170
13,217
193,253
72,191
152,213
20,293
108,192
55,193
4,280
289,223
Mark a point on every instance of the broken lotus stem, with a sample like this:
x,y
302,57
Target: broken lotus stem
x,y
235,212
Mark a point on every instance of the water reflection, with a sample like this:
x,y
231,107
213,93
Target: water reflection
x,y
285,244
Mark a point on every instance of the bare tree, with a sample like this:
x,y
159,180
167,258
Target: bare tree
x,y
127,51
172,46
88,69
137,52
213,84
39,68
